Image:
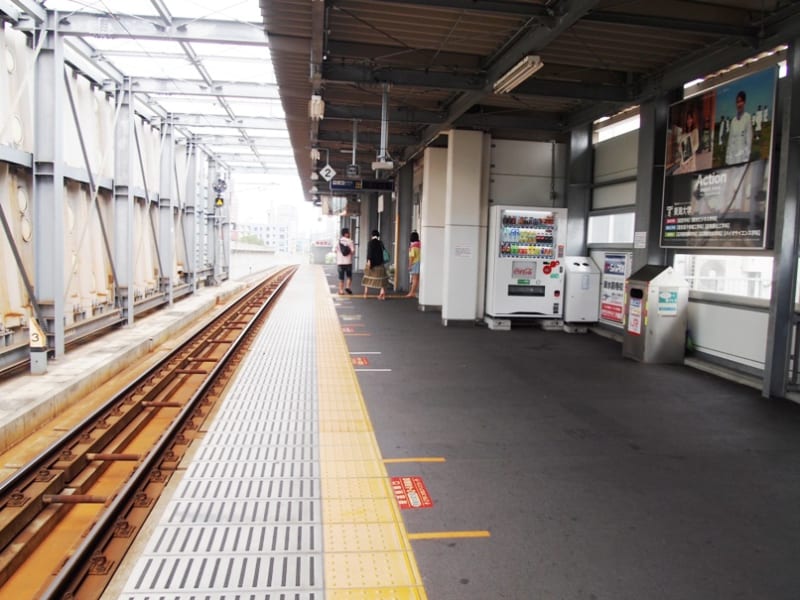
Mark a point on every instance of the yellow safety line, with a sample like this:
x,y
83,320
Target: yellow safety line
x,y
430,459
367,551
443,535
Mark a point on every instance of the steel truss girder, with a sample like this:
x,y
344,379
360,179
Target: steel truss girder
x,y
539,37
206,31
199,87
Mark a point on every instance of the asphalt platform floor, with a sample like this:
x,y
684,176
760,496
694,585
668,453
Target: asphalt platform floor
x,y
596,477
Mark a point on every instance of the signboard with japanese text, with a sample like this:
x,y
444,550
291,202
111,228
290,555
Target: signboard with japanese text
x,y
362,185
616,269
410,492
717,165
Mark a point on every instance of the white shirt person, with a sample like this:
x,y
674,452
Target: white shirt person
x,y
740,136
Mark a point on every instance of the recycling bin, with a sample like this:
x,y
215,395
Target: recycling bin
x,y
582,290
655,317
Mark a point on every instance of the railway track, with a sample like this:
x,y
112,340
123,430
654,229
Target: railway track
x,y
69,515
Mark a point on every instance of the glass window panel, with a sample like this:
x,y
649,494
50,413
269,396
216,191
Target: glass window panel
x,y
611,229
749,276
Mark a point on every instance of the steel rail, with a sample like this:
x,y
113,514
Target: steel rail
x,y
177,362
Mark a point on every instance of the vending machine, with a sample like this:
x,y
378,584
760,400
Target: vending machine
x,y
526,262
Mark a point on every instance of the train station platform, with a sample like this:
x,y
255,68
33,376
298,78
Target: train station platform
x,y
521,464
29,401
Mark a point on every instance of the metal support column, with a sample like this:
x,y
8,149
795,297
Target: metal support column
x,y
650,184
580,173
48,171
225,235
787,225
404,211
189,215
166,209
124,141
212,223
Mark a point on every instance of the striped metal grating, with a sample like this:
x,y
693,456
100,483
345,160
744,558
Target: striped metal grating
x,y
245,520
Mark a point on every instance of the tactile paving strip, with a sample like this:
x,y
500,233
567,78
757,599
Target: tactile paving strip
x,y
287,497
367,552
245,521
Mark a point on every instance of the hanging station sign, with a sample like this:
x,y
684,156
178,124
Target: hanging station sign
x,y
356,186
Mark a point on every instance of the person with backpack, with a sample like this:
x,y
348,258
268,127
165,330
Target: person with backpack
x,y
344,261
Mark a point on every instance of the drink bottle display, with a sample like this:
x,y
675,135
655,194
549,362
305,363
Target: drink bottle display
x,y
525,270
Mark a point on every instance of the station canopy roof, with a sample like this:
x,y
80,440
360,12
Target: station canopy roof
x,y
395,74
204,63
388,77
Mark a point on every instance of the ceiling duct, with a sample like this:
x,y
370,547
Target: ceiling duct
x,y
384,162
355,141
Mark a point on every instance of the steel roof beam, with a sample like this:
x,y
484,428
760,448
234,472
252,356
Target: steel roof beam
x,y
400,116
700,64
539,37
202,120
199,87
264,142
543,121
620,18
364,75
19,10
205,31
412,56
372,139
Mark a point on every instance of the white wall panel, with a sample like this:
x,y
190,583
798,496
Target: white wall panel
x,y
520,190
511,157
16,91
15,200
617,157
737,334
522,172
432,209
610,196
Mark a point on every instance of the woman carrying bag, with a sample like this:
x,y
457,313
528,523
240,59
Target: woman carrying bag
x,y
375,271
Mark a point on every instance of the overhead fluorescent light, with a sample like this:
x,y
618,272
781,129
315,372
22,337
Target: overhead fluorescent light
x,y
517,74
314,154
316,108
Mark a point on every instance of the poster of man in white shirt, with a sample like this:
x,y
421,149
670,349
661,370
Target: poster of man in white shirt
x,y
723,204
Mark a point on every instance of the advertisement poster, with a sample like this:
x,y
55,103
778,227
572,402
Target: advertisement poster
x,y
612,285
716,178
635,316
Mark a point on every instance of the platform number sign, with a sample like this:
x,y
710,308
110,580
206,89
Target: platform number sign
x,y
327,172
37,338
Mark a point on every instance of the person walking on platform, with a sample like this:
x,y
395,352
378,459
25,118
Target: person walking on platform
x,y
344,261
414,256
375,272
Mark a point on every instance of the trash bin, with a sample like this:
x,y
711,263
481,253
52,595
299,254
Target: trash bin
x,y
655,318
582,290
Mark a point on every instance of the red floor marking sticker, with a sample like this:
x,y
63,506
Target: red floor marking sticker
x,y
360,361
348,330
411,492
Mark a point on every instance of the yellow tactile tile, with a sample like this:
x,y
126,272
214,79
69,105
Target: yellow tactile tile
x,y
367,553
368,569
362,487
356,510
405,593
364,537
352,468
353,451
344,425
